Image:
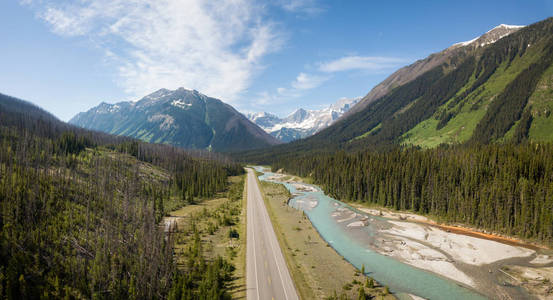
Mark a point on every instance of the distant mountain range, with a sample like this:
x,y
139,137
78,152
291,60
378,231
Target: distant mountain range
x,y
181,118
497,87
302,123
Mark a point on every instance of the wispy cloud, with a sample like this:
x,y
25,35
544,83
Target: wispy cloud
x,y
310,7
297,87
306,81
212,46
314,79
369,63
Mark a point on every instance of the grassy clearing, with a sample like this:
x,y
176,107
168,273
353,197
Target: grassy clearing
x,y
221,223
366,134
310,259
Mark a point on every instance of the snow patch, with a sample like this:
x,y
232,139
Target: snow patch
x,y
484,43
506,26
114,108
307,121
180,103
106,108
466,42
494,40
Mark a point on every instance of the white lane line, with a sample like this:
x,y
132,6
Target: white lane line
x,y
284,287
278,268
254,255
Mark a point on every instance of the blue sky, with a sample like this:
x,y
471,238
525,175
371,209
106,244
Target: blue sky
x,y
275,56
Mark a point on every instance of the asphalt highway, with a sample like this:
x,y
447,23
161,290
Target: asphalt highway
x,y
267,275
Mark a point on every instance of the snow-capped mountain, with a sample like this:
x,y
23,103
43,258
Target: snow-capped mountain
x,y
302,123
184,118
491,36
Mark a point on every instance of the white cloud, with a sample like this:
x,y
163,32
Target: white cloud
x,y
215,47
282,90
264,98
310,7
370,63
306,82
298,86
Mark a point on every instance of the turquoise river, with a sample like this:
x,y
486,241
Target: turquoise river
x,y
401,278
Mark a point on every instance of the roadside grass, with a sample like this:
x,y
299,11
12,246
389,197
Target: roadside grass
x,y
214,219
317,270
239,283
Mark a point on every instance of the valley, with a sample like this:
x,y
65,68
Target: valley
x,y
200,150
310,258
479,264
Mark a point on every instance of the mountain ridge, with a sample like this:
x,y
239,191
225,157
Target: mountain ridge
x,y
406,74
452,106
184,118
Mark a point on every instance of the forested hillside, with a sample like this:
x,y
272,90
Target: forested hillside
x,y
485,93
502,188
80,212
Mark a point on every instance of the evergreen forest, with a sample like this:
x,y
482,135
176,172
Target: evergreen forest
x,y
80,212
504,188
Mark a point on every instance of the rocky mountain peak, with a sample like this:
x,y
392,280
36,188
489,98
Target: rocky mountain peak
x,y
298,116
490,37
302,123
181,117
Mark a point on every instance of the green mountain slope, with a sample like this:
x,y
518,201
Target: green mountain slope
x,y
182,118
461,115
482,99
479,94
541,105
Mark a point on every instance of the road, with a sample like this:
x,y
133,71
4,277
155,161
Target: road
x,y
267,275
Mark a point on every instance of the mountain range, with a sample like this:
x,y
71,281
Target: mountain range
x,y
184,118
302,123
495,88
